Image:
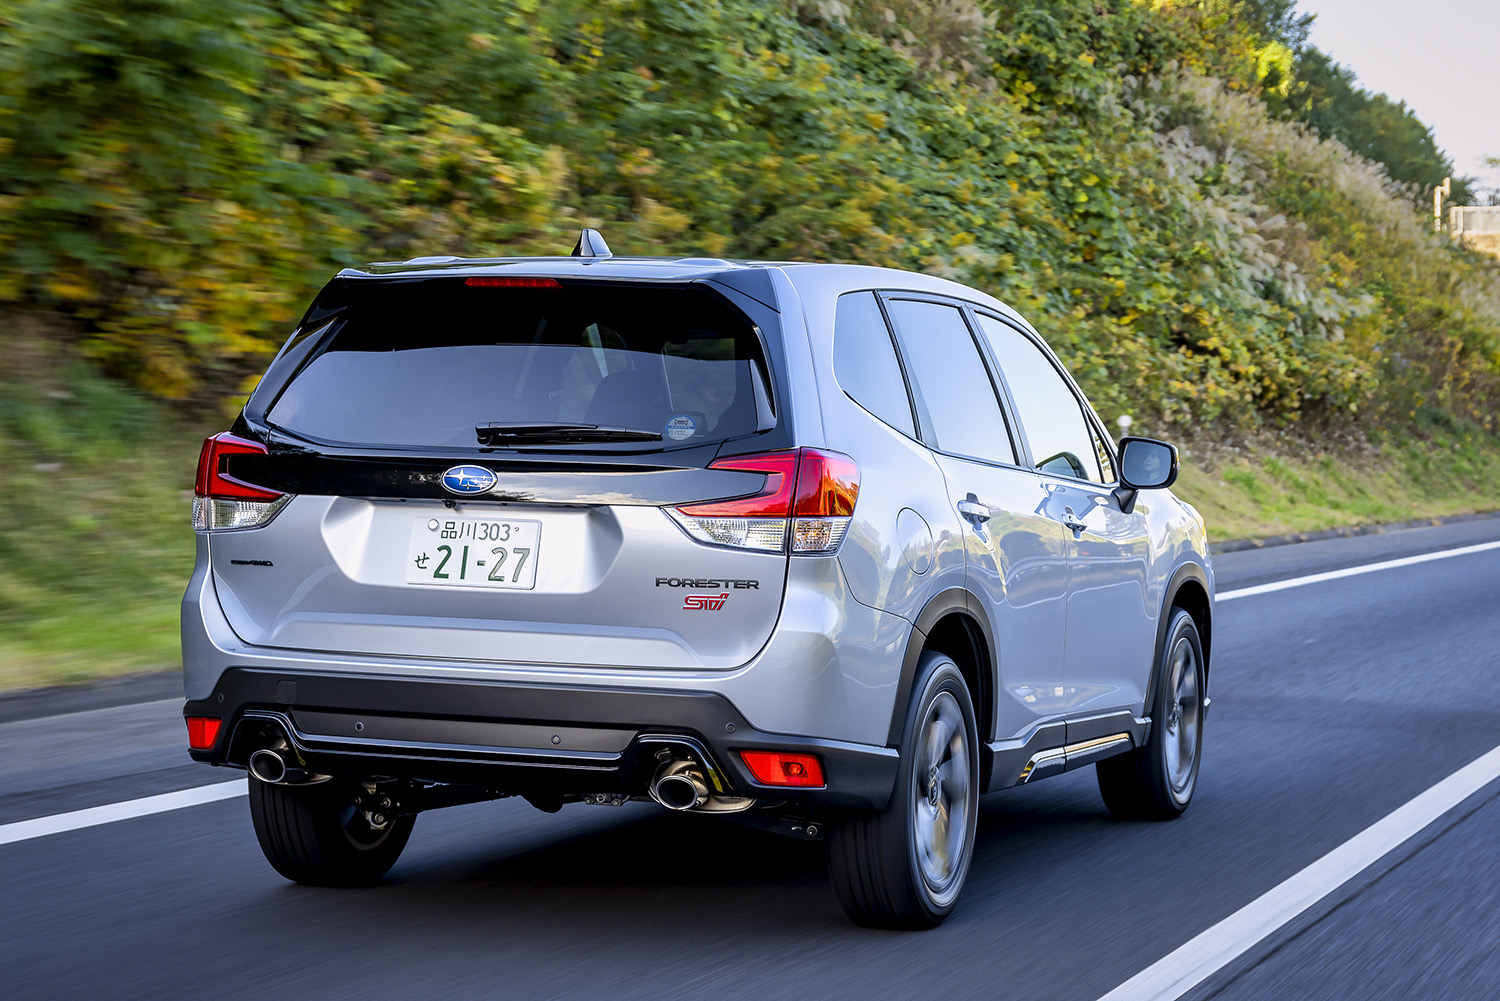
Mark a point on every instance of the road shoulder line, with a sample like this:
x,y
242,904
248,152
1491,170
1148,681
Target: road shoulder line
x,y
1201,957
1354,571
40,827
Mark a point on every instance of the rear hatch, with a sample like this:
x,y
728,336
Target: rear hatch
x,y
487,469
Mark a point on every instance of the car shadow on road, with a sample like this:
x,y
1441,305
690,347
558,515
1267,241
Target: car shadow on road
x,y
604,871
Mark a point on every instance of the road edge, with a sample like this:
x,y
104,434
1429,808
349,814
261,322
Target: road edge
x,y
1344,532
96,693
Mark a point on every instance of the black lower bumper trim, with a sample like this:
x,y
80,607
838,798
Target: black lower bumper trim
x,y
517,738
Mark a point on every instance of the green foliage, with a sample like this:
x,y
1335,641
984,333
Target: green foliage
x,y
180,176
94,538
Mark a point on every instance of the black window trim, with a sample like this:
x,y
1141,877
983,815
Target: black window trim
x,y
924,430
1085,407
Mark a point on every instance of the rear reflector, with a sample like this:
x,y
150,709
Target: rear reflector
x,y
203,731
809,490
496,281
222,502
779,768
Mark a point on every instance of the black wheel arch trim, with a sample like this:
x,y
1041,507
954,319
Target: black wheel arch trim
x,y
947,602
1182,575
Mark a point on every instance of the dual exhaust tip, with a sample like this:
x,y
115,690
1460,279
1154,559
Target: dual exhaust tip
x,y
680,785
271,765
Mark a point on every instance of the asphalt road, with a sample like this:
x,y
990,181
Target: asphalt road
x,y
1334,704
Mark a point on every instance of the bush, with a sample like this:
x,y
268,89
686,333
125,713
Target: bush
x,y
180,176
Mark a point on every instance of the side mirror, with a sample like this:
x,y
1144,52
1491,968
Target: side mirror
x,y
1145,464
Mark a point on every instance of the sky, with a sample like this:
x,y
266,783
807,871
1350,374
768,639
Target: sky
x,y
1443,60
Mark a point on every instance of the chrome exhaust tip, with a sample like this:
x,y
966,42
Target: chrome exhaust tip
x,y
268,766
679,785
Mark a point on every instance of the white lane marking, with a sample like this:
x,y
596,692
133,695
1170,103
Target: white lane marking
x,y
1180,971
1405,561
40,827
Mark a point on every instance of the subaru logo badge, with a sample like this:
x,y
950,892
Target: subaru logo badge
x,y
468,480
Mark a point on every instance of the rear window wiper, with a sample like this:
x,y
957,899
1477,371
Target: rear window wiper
x,y
542,433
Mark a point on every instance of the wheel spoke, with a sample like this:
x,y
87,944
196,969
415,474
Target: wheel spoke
x,y
1180,745
940,735
941,793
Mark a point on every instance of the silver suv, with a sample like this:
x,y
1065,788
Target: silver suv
x,y
828,549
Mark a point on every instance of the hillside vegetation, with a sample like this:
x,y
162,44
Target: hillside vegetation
x,y
177,177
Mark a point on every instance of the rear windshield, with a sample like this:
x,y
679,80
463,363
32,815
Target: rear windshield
x,y
424,363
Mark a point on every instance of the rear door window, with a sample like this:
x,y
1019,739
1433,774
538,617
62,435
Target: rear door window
x,y
959,409
423,363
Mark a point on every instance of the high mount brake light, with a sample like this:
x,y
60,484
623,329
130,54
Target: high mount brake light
x,y
221,501
809,490
499,281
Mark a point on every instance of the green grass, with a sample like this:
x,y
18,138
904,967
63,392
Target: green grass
x,y
1454,470
96,483
95,542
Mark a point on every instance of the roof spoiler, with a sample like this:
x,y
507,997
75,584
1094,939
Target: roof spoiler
x,y
591,244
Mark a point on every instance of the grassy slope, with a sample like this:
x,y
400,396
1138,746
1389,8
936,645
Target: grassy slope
x,y
95,546
1256,495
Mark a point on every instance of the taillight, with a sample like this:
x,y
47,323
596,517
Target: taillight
x,y
780,768
203,731
220,501
827,487
809,490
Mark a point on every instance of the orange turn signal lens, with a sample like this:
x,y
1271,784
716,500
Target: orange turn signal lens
x,y
203,731
779,768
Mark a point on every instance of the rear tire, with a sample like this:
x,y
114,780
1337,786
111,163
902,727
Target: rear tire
x,y
1156,781
314,834
904,866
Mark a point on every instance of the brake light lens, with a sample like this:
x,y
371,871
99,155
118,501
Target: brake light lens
x,y
809,491
827,487
203,732
780,768
497,281
223,503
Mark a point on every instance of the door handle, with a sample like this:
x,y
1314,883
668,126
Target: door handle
x,y
1072,522
970,508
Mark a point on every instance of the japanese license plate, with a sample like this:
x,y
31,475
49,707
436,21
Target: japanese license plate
x,y
473,552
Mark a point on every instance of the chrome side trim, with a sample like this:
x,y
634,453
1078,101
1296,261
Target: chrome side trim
x,y
1008,758
1061,759
1042,765
1093,750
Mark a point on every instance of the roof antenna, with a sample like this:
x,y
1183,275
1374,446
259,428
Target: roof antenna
x,y
591,244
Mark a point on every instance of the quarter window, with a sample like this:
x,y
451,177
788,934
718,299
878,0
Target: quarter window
x,y
1061,439
960,412
864,361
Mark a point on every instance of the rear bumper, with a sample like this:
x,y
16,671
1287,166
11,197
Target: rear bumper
x,y
518,738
